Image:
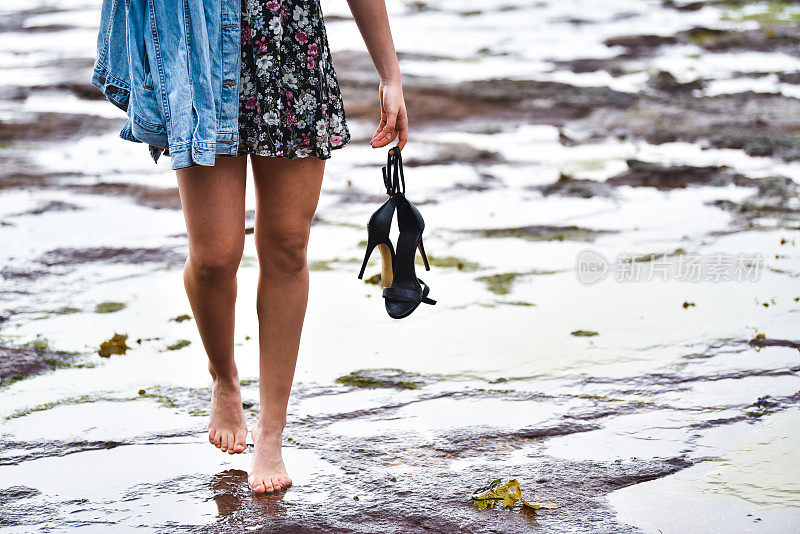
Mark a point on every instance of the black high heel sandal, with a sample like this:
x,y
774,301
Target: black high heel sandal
x,y
406,291
378,228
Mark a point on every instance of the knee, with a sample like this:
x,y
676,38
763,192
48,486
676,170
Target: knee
x,y
284,249
218,264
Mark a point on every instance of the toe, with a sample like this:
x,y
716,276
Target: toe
x,y
241,441
211,435
225,438
276,483
256,485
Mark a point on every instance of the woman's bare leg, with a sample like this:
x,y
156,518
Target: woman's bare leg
x,y
213,206
287,192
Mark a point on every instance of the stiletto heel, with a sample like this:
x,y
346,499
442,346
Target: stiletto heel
x,y
424,257
376,238
370,246
378,228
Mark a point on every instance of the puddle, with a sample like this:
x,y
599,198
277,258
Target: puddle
x,y
425,417
751,488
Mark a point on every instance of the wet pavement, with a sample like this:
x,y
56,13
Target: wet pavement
x,y
546,138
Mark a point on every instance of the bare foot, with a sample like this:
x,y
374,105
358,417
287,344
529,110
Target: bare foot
x,y
227,428
268,472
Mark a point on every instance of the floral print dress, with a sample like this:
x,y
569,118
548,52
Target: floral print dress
x,y
289,100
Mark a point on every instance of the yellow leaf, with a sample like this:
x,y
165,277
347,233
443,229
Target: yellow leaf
x,y
507,493
115,345
537,505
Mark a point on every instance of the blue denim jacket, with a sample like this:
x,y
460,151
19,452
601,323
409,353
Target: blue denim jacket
x,y
173,66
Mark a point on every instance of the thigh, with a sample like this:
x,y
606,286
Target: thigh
x,y
213,200
287,192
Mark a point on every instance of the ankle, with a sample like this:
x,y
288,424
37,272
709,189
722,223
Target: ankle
x,y
271,426
225,379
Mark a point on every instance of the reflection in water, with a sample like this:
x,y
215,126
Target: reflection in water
x,y
235,500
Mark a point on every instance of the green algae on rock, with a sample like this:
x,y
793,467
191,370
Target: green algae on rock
x,y
644,258
500,284
380,378
82,399
451,262
181,318
583,333
109,307
327,265
375,279
540,233
320,265
40,343
771,14
515,303
65,310
178,345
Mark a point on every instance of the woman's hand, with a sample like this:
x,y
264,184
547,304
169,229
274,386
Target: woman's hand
x,y
394,120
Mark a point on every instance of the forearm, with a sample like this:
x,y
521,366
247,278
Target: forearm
x,y
373,23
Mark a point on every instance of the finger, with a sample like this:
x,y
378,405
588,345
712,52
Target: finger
x,y
379,143
380,130
382,121
382,142
377,137
391,122
386,129
403,139
387,137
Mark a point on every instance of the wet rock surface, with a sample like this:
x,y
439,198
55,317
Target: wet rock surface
x,y
759,124
58,261
71,256
53,126
372,476
17,363
536,233
646,174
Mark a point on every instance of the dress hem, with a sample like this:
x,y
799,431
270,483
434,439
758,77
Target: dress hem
x,y
273,153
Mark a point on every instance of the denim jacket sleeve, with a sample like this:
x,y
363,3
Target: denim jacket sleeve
x,y
173,66
110,73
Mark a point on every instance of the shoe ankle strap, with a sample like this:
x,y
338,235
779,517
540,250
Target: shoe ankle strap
x,y
394,162
387,181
